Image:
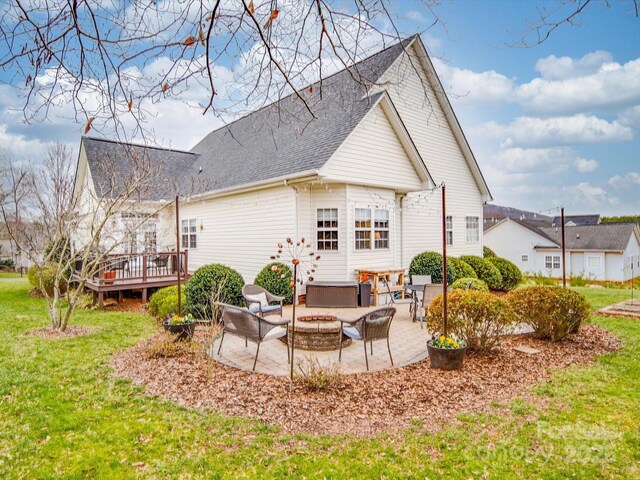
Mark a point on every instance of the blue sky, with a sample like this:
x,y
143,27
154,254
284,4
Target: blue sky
x,y
554,124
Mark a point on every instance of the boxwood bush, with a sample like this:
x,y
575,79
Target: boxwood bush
x,y
460,269
511,274
217,282
165,302
479,318
430,263
48,274
485,270
487,252
552,311
269,279
470,283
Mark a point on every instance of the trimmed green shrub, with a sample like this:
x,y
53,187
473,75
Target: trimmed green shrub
x,y
470,283
430,263
511,274
487,252
48,274
165,302
553,312
479,318
217,282
269,279
7,265
485,270
460,269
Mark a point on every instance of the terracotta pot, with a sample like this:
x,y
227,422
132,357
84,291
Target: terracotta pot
x,y
183,331
109,277
446,358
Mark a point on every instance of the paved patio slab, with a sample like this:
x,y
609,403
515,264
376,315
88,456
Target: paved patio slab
x,y
407,340
628,308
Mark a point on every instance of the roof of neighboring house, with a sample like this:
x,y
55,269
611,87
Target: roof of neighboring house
x,y
279,141
113,163
603,236
577,220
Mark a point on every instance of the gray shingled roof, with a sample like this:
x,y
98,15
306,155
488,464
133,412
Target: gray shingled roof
x,y
604,236
112,164
578,219
279,140
282,139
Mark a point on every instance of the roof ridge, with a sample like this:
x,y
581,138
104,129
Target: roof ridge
x,y
132,144
323,79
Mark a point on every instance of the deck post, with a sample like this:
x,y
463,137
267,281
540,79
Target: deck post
x,y
120,296
144,295
101,300
144,267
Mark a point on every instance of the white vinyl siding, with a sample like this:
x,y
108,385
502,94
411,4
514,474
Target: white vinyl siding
x,y
425,121
372,155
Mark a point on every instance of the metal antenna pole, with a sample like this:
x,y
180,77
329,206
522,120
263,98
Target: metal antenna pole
x,y
444,262
178,252
564,259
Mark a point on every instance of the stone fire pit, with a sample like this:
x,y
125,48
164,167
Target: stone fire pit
x,y
318,332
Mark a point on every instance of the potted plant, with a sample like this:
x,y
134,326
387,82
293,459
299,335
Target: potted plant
x,y
183,327
446,352
109,276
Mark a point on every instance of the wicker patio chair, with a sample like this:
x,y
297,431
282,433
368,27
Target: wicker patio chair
x,y
242,323
249,292
371,326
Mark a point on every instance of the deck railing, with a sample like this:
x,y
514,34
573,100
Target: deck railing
x,y
140,267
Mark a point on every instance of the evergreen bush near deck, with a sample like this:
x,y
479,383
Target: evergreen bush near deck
x,y
48,274
460,269
217,282
485,270
480,318
511,274
470,283
164,302
430,263
270,280
552,311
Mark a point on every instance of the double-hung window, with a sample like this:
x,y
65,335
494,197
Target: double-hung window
x,y
381,229
473,229
327,229
189,233
150,241
551,261
449,229
363,228
371,229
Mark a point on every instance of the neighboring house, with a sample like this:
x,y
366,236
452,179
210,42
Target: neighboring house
x,y
357,181
576,220
604,251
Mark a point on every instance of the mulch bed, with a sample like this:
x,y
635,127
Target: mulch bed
x,y
365,404
70,332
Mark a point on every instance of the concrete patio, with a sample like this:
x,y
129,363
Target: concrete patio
x,y
407,341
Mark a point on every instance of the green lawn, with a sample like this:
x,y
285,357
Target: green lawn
x,y
63,416
10,275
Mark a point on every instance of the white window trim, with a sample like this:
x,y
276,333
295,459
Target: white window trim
x,y
449,229
328,229
372,229
191,223
524,257
469,230
551,260
367,230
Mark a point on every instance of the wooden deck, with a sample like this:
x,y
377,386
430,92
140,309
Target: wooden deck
x,y
136,272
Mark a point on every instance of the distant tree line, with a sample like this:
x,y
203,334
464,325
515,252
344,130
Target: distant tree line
x,y
623,218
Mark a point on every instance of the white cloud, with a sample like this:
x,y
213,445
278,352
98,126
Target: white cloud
x,y
558,68
469,87
555,131
630,117
582,165
613,87
415,16
585,194
631,179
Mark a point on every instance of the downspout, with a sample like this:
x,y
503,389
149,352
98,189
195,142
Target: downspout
x,y
402,197
347,231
